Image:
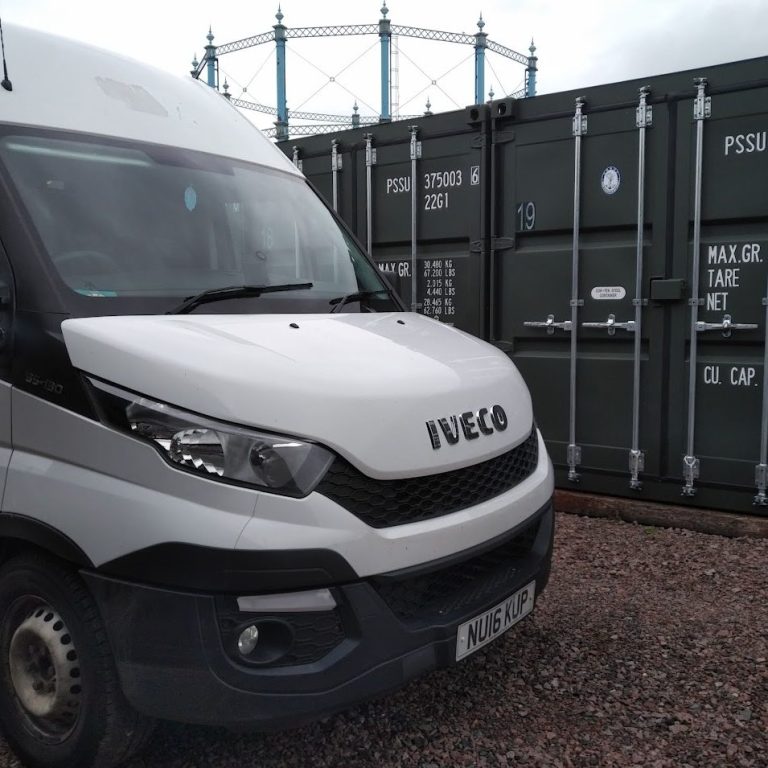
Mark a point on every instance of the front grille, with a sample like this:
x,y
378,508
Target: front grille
x,y
451,593
384,503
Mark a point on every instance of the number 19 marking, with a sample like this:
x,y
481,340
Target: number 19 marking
x,y
526,216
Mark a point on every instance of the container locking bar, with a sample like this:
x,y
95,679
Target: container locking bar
x,y
702,110
761,481
370,161
612,325
761,470
726,326
415,156
643,121
579,130
549,324
335,168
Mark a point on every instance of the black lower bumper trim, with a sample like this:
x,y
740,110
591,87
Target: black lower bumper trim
x,y
172,662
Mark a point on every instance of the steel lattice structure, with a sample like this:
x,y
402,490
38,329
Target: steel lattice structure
x,y
316,116
385,30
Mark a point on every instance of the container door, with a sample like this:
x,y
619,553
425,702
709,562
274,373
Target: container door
x,y
717,432
567,292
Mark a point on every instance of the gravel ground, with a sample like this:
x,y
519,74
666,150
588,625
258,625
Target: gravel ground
x,y
648,649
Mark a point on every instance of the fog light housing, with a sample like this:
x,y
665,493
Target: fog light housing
x,y
279,639
247,640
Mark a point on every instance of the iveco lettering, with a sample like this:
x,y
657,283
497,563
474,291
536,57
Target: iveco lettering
x,y
219,503
484,422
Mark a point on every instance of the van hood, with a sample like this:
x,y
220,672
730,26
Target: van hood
x,y
365,385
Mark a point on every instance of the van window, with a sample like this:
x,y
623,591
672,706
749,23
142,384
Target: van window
x,y
133,220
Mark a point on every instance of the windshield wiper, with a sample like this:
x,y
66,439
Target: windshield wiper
x,y
339,302
234,292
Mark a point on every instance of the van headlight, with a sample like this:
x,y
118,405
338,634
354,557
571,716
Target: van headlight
x,y
213,449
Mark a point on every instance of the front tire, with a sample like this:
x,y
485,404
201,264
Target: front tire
x,y
60,700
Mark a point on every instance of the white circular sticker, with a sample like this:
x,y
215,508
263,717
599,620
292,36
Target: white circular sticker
x,y
611,180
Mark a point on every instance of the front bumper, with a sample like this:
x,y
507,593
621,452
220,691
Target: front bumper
x,y
176,658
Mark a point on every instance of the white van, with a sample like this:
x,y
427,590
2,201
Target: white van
x,y
241,485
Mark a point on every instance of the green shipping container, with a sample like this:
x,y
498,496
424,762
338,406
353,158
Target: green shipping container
x,y
614,242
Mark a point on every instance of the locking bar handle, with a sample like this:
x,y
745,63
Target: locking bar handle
x,y
612,325
726,326
549,324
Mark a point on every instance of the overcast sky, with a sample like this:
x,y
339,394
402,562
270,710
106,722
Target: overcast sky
x,y
578,43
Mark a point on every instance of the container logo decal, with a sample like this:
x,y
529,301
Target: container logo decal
x,y
608,293
611,180
470,423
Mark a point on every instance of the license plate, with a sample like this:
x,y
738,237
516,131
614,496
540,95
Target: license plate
x,y
477,632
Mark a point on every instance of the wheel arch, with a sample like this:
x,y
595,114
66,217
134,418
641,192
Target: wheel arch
x,y
16,531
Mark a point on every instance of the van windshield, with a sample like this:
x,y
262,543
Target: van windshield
x,y
146,221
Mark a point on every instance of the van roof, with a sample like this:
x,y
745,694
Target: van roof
x,y
64,84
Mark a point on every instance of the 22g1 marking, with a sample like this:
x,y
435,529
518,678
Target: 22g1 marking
x,y
435,201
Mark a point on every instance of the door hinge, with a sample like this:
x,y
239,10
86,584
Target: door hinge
x,y
579,120
702,105
644,111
